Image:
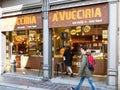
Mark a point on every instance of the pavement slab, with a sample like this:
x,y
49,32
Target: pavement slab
x,y
24,82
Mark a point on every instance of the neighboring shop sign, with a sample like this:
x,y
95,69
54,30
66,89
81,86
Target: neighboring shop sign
x,y
23,22
87,15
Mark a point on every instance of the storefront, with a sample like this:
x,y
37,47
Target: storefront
x,y
86,25
98,19
24,40
92,23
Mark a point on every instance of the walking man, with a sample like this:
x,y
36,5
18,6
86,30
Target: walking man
x,y
84,71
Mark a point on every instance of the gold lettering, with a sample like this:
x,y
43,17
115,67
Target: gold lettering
x,y
26,20
80,14
33,20
68,15
62,15
92,12
87,13
17,22
77,14
83,14
98,12
55,17
22,21
73,15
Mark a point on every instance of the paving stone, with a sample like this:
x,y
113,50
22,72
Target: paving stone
x,y
27,83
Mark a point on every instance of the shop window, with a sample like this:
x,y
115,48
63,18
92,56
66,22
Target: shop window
x,y
27,42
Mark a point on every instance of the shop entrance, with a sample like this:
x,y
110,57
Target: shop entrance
x,y
93,36
27,48
27,51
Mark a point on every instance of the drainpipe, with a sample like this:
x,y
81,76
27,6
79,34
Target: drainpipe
x,y
46,42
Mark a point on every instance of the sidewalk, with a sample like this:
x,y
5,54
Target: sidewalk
x,y
25,82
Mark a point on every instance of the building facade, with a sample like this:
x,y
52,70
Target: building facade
x,y
51,15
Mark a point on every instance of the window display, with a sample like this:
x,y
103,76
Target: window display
x,y
27,42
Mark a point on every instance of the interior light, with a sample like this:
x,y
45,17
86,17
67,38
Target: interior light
x,y
58,37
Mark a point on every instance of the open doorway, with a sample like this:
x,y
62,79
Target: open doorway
x,y
26,48
93,36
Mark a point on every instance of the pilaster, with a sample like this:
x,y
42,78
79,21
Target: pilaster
x,y
112,46
46,43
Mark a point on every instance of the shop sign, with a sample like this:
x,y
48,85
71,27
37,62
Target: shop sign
x,y
23,22
88,15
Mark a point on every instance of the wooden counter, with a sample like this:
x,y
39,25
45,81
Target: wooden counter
x,y
32,62
100,68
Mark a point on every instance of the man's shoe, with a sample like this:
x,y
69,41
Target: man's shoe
x,y
71,75
72,88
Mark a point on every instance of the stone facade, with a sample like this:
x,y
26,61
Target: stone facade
x,y
19,7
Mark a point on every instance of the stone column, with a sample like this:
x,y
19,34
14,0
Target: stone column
x,y
46,43
119,46
113,46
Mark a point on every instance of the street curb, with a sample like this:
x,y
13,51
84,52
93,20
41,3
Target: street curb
x,y
23,87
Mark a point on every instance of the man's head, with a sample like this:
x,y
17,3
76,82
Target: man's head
x,y
83,49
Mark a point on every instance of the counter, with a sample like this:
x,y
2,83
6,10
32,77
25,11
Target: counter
x,y
32,62
35,62
100,67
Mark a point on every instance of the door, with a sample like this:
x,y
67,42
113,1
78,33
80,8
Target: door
x,y
2,52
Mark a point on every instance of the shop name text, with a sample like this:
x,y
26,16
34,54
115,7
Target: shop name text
x,y
77,14
26,20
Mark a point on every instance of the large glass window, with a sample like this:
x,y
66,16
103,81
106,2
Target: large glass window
x,y
27,42
95,37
